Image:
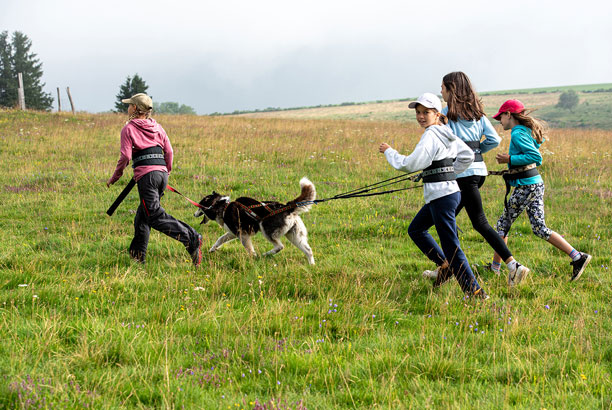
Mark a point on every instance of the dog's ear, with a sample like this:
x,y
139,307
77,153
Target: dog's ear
x,y
215,193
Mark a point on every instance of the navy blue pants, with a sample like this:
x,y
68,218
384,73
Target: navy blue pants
x,y
441,214
150,214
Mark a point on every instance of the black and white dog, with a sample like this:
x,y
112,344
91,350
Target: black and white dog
x,y
245,216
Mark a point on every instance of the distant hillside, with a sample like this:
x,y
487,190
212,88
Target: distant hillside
x,y
585,88
593,111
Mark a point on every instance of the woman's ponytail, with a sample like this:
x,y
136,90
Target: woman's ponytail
x,y
139,113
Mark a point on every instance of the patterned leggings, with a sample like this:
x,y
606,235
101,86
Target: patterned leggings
x,y
531,198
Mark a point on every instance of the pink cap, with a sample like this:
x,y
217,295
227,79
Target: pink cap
x,y
513,106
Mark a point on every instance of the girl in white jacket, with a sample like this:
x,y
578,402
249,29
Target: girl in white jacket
x,y
441,155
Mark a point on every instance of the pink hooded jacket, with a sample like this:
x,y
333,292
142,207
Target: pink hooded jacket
x,y
137,135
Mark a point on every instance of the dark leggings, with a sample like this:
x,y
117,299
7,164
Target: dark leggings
x,y
471,200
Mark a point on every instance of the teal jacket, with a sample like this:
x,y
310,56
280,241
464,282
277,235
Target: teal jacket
x,y
524,150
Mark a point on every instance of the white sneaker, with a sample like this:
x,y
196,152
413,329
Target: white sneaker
x,y
431,274
517,275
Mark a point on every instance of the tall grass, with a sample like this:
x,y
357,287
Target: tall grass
x,y
83,326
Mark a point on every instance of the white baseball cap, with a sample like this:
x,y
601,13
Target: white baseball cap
x,y
428,100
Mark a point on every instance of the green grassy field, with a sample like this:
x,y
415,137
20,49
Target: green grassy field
x,y
84,326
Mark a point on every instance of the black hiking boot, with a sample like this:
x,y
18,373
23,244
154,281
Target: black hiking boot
x,y
137,256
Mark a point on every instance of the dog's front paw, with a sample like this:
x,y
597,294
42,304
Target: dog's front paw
x,y
211,250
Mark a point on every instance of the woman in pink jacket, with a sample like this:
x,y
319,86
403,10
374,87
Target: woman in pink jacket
x,y
145,143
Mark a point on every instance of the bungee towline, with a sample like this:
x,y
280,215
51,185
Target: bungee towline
x,y
355,193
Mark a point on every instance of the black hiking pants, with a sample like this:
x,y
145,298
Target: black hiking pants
x,y
150,214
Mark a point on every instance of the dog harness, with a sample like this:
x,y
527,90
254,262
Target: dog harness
x,y
438,171
514,173
248,209
148,156
475,146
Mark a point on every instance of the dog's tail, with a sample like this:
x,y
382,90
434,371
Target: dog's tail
x,y
308,194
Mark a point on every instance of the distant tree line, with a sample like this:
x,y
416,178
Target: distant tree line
x,y
173,108
16,57
272,109
599,90
344,104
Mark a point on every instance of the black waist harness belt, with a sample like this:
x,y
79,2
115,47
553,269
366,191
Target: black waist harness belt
x,y
518,172
475,146
148,156
439,171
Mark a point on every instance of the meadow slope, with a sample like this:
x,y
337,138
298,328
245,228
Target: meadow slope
x,y
594,109
84,326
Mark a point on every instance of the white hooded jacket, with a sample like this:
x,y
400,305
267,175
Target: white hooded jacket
x,y
437,142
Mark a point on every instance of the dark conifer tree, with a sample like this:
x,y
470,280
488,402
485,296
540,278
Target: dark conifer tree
x,y
25,62
16,57
132,85
8,81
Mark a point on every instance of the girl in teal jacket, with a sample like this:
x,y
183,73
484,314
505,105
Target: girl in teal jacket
x,y
523,158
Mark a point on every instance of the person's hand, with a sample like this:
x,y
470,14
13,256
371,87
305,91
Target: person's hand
x,y
383,147
502,158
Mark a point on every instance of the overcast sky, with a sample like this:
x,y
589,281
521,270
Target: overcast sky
x,y
226,55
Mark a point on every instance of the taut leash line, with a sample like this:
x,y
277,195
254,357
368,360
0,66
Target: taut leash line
x,y
194,203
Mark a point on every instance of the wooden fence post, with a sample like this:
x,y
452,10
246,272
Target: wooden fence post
x,y
20,92
70,99
59,101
